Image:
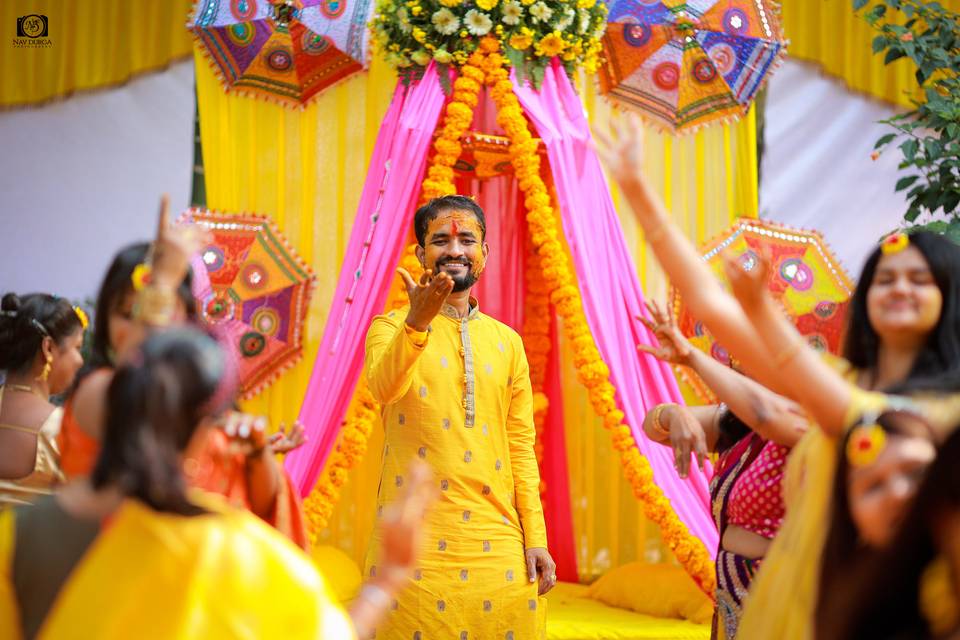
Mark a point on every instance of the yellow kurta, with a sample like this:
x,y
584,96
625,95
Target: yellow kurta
x,y
458,397
152,575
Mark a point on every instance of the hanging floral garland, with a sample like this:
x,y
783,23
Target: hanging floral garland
x,y
536,343
485,64
412,33
592,372
359,424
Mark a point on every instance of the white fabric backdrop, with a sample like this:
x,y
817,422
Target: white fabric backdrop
x,y
81,177
817,172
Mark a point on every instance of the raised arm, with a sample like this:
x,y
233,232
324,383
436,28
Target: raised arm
x,y
822,391
393,346
771,415
154,308
700,289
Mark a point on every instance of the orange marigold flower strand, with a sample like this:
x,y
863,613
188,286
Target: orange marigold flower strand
x,y
592,372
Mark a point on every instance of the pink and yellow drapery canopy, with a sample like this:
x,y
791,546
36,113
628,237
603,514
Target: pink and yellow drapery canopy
x,y
260,156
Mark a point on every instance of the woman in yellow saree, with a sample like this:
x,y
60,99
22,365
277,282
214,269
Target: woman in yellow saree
x,y
132,552
904,326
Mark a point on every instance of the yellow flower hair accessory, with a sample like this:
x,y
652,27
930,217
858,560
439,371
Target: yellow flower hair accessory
x,y
141,276
82,315
894,243
865,444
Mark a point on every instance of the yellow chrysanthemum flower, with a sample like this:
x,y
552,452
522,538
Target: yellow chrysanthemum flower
x,y
551,45
520,42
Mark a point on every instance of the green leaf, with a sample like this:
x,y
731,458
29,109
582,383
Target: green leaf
x,y
885,140
903,183
517,61
909,148
443,73
951,201
879,44
912,214
537,73
893,53
859,4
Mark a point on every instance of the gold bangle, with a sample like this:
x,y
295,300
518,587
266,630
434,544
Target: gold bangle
x,y
155,306
788,353
657,425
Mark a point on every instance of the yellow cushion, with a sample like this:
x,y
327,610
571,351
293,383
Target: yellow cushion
x,y
340,572
661,590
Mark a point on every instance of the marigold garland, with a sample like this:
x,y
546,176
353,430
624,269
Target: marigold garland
x,y
592,372
536,343
486,65
457,119
357,427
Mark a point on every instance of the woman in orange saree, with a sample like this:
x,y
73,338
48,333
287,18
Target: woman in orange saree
x,y
238,464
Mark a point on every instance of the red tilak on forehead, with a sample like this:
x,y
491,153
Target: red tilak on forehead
x,y
453,227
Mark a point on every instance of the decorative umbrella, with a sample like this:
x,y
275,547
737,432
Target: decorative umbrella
x,y
289,50
805,277
686,64
254,291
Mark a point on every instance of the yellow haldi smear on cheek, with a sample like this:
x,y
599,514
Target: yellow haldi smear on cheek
x,y
460,222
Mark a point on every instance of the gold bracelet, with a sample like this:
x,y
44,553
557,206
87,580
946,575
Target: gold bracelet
x,y
657,425
155,306
788,353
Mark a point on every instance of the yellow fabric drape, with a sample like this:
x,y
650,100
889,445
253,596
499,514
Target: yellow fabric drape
x,y
92,44
830,34
306,169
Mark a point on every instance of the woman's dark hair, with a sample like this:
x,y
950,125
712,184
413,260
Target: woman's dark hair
x,y
26,321
732,430
844,558
429,211
938,364
885,597
153,408
116,285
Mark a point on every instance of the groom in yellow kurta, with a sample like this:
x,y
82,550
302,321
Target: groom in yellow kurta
x,y
455,389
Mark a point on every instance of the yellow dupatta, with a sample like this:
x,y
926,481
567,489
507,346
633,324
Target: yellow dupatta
x,y
152,575
783,594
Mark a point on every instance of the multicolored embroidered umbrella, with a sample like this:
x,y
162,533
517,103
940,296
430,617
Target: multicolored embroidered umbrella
x,y
806,278
289,50
683,65
254,291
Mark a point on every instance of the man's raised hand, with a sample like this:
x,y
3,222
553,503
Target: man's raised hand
x,y
427,297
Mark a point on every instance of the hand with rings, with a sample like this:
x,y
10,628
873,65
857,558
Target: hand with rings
x,y
540,563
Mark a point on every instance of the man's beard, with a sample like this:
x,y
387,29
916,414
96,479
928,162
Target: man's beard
x,y
464,282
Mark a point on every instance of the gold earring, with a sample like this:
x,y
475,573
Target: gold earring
x,y
46,370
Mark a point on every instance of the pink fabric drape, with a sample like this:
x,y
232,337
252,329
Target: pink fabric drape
x,y
383,218
609,286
